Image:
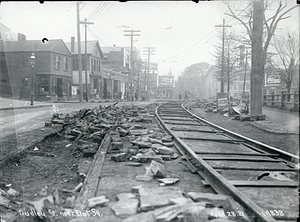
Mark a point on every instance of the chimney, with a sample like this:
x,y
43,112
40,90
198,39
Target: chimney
x,y
21,37
72,44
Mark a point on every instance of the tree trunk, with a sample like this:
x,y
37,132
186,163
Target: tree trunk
x,y
257,74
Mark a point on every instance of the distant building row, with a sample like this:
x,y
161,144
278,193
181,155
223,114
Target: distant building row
x,y
55,73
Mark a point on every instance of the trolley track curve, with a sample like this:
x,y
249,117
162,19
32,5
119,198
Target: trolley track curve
x,y
263,179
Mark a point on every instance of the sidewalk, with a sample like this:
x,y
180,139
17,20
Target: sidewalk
x,y
278,121
9,104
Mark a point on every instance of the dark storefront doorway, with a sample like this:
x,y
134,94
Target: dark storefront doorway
x,y
105,88
59,87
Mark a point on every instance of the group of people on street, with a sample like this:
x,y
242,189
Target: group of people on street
x,y
186,96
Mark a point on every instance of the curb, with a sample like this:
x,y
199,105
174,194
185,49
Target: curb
x,y
24,107
271,131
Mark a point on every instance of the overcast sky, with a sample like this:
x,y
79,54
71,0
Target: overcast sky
x,y
182,32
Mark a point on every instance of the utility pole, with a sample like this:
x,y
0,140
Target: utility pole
x,y
131,59
257,74
223,46
79,55
85,24
138,80
150,51
244,85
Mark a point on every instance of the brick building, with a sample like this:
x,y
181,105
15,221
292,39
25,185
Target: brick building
x,y
51,76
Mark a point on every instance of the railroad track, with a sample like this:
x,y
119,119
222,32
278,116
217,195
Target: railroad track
x,y
263,179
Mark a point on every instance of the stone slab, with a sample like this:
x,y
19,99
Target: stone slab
x,y
157,197
125,207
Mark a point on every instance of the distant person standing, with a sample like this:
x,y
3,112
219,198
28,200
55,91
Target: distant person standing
x,y
180,95
185,96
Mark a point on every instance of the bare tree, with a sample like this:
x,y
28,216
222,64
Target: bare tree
x,y
245,17
287,48
231,60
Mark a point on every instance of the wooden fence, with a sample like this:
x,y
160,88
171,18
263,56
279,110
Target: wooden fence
x,y
284,100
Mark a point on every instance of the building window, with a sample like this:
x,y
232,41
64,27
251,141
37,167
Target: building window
x,y
44,86
25,81
56,62
98,66
64,86
65,64
53,86
93,65
23,60
75,64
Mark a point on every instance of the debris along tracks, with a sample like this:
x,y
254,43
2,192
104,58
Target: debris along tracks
x,y
263,179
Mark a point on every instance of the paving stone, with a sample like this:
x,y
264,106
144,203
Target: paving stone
x,y
13,192
126,125
157,197
4,201
70,202
163,150
57,121
69,137
78,187
146,158
57,197
216,199
167,139
163,213
122,131
147,120
168,144
39,204
136,127
158,169
75,132
125,196
97,139
100,200
115,138
195,213
168,181
138,132
121,157
125,207
143,217
89,152
141,144
116,145
133,164
182,201
145,178
132,152
155,141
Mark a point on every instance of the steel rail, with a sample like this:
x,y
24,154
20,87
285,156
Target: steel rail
x,y
217,181
256,144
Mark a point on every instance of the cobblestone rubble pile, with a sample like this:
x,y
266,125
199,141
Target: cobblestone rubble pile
x,y
236,111
149,146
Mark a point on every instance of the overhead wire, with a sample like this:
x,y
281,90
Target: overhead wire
x,y
83,6
105,10
100,39
95,10
175,56
99,11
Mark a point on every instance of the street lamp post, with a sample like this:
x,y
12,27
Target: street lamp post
x,y
32,61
